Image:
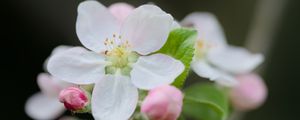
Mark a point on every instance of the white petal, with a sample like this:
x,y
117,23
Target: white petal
x,y
147,29
155,70
51,86
114,98
175,25
57,49
236,60
226,79
94,24
208,27
77,65
61,83
42,107
120,11
204,69
60,49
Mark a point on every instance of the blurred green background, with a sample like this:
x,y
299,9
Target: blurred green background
x,y
35,27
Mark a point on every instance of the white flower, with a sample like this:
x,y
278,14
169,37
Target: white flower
x,y
214,58
120,60
44,105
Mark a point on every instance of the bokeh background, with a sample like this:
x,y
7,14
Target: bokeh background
x,y
32,28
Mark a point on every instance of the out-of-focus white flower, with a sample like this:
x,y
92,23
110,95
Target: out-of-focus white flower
x,y
120,60
163,103
45,105
214,58
250,93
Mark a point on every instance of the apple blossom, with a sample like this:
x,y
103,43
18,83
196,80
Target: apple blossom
x,y
214,58
120,60
50,86
35,106
250,93
163,103
75,99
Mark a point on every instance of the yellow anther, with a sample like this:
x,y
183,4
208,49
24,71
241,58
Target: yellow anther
x,y
200,44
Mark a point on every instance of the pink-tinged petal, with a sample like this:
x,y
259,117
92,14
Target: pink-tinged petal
x,y
42,107
250,93
155,70
163,103
120,10
208,27
114,98
235,60
147,29
47,85
94,24
77,65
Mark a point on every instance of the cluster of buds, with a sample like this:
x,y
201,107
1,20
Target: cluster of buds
x,y
125,69
161,103
165,102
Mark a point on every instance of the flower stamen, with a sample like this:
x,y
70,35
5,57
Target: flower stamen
x,y
120,56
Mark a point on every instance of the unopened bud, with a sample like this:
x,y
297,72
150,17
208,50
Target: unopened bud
x,y
249,94
163,103
75,99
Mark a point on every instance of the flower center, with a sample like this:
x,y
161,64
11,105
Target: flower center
x,y
202,47
119,56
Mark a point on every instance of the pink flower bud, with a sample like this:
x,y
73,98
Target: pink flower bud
x,y
249,94
163,103
120,11
74,99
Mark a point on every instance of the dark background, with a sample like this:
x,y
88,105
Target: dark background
x,y
32,28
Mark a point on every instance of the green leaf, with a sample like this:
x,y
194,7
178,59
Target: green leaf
x,y
205,102
180,45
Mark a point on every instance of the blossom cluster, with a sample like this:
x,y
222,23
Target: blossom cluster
x,y
120,73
